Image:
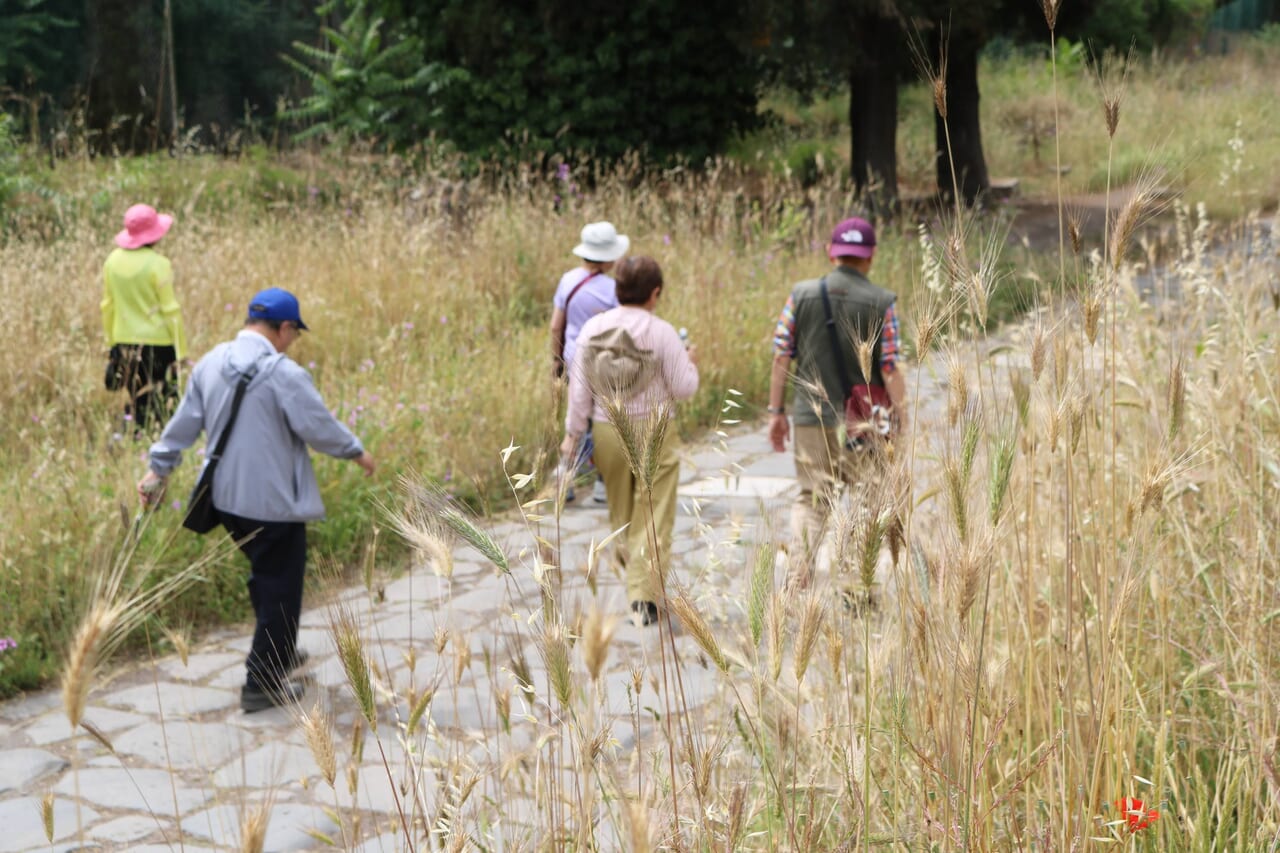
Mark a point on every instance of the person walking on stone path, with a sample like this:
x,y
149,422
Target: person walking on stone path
x,y
583,292
844,300
264,488
141,318
632,365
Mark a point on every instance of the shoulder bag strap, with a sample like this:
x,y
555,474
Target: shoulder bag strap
x,y
567,300
245,379
845,385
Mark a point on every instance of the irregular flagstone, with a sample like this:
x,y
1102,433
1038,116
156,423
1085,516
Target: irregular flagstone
x,y
743,486
387,842
288,826
21,767
226,759
54,726
377,792
418,586
572,521
200,666
269,766
179,699
292,826
131,828
22,824
182,745
29,705
143,790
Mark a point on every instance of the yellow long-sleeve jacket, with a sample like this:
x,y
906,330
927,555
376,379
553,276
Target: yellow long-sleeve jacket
x,y
138,302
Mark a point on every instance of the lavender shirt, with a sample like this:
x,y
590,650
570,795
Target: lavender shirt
x,y
598,294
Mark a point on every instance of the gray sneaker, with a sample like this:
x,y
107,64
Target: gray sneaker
x,y
598,493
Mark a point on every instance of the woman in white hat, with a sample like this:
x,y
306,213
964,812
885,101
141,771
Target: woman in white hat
x,y
141,317
582,293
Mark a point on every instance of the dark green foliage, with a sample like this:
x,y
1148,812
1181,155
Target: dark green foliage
x,y
668,77
227,58
27,45
368,81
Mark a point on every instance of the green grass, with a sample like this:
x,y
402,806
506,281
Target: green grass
x,y
1178,117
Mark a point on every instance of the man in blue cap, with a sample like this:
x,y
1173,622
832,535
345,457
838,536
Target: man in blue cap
x,y
264,488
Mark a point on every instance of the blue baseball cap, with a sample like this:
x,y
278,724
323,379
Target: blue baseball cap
x,y
276,304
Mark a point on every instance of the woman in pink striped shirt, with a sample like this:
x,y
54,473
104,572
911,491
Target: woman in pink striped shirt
x,y
632,364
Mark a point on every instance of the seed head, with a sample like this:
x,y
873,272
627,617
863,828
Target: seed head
x,y
317,728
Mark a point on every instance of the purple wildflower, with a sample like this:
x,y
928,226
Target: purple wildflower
x,y
7,643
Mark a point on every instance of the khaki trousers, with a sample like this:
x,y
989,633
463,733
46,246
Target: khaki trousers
x,y
650,516
822,464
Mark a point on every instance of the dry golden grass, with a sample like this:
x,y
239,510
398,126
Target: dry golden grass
x,y
1076,556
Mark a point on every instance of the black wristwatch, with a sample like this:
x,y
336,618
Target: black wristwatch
x,y
776,410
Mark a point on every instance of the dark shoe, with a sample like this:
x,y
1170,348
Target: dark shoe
x,y
300,659
644,613
254,698
860,603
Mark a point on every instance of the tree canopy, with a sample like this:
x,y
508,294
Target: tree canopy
x,y
672,79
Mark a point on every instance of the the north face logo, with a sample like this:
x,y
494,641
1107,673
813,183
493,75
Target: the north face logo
x,y
851,236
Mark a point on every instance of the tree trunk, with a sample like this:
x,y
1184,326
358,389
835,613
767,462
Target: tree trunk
x,y
964,123
123,63
873,110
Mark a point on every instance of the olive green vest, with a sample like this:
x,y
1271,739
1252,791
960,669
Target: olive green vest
x,y
858,308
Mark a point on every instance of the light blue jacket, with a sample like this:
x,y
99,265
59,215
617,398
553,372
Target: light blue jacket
x,y
265,473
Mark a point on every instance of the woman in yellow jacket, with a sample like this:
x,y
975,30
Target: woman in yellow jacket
x,y
141,317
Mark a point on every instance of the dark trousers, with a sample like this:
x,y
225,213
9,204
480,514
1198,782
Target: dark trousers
x,y
146,377
277,552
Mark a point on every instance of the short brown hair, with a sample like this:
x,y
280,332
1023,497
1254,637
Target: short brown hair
x,y
638,277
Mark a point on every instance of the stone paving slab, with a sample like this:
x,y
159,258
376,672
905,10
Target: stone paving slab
x,y
21,767
182,745
224,762
146,790
23,825
179,699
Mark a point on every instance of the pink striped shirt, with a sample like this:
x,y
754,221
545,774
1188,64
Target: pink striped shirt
x,y
675,379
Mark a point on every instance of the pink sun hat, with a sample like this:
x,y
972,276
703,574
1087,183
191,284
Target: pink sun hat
x,y
142,226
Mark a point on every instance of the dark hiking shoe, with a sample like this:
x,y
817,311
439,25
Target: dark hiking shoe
x,y
300,659
860,603
644,613
254,698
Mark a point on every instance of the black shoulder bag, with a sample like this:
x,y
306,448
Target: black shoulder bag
x,y
868,411
201,514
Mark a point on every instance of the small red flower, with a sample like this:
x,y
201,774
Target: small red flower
x,y
1136,813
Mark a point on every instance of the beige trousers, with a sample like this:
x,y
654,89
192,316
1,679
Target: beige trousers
x,y
822,464
652,516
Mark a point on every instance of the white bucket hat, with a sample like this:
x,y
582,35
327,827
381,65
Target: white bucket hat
x,y
601,242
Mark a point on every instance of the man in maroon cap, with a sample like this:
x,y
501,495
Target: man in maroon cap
x,y
818,333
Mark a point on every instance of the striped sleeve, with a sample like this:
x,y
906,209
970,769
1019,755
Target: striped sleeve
x,y
784,334
889,342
